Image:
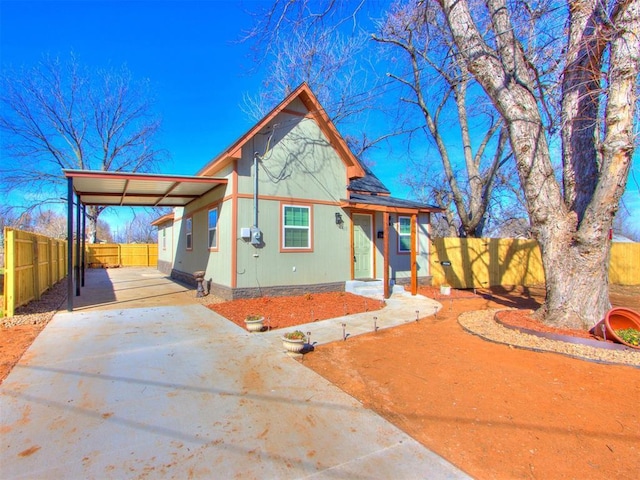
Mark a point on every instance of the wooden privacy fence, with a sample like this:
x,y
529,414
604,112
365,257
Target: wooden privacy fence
x,y
33,264
624,264
120,254
486,262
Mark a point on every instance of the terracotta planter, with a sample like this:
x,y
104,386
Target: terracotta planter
x,y
255,325
617,319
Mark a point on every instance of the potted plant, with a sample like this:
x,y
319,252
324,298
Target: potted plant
x,y
621,325
445,289
293,342
254,323
630,336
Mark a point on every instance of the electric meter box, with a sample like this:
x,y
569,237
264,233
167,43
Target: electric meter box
x,y
256,236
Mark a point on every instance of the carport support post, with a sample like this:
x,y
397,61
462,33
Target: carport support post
x,y
78,245
70,243
84,236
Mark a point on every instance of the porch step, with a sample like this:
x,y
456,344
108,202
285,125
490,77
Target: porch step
x,y
370,288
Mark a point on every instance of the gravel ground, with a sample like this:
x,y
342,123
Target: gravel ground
x,y
482,323
40,312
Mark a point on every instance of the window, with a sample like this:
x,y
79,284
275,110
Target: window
x,y
164,238
189,230
213,228
404,234
296,227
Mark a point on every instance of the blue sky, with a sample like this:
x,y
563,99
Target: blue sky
x,y
188,50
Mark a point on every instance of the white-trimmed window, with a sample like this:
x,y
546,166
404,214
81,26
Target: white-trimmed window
x,y
164,237
296,227
213,228
404,234
189,232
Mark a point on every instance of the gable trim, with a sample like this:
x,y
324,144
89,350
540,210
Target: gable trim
x,y
315,111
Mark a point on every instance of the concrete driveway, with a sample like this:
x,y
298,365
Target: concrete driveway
x,y
180,392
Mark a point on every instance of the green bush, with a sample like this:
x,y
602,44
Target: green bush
x,y
629,335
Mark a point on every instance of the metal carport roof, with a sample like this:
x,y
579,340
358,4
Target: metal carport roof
x,y
138,189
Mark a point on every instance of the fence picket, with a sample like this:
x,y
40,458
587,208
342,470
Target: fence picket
x,y
28,263
485,262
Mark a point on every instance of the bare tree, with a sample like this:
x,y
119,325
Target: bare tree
x,y
510,48
598,83
323,44
59,115
139,229
439,83
49,223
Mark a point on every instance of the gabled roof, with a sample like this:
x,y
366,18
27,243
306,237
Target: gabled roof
x,y
368,184
384,203
315,111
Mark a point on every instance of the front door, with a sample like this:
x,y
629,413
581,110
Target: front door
x,y
362,246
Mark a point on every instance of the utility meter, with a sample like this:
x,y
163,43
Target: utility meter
x,y
256,236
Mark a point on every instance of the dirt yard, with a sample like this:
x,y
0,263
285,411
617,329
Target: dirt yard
x,y
492,410
495,411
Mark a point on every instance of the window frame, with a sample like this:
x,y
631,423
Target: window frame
x,y
404,235
215,229
284,227
188,233
164,237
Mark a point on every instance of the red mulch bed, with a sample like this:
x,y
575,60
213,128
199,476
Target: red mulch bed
x,y
282,312
523,319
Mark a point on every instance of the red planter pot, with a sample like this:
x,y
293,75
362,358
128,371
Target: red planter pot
x,y
617,319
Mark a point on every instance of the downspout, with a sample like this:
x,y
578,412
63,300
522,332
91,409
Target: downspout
x,y
256,234
255,189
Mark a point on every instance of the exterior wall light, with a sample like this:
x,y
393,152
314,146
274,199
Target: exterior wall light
x,y
339,220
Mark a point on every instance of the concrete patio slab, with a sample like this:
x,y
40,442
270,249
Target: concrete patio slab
x,y
130,287
180,392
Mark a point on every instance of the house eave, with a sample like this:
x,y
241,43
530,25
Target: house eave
x,y
163,219
386,208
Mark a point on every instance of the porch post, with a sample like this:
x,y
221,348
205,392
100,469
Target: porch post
x,y
385,253
414,264
69,243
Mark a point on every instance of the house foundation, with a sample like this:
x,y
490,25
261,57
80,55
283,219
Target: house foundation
x,y
228,293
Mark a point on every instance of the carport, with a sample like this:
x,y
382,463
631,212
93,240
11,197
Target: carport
x,y
122,189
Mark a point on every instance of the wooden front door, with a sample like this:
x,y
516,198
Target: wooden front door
x,y
362,246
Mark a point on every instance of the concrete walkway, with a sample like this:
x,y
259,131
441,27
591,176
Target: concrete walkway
x,y
180,392
401,308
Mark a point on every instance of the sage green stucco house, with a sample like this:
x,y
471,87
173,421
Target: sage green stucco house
x,y
294,211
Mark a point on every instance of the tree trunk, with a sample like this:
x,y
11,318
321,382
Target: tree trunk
x,y
572,231
92,223
577,283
